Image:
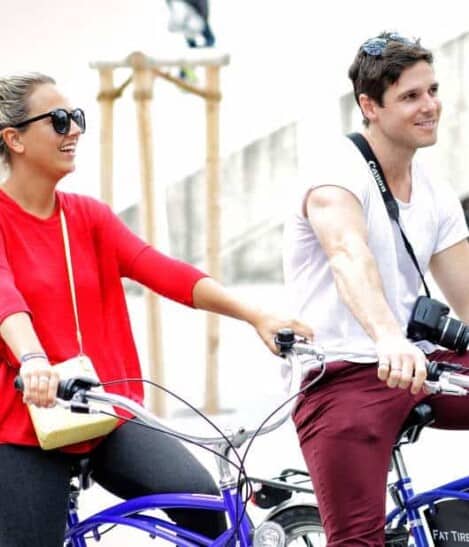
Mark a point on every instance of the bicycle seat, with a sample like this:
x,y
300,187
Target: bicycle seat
x,y
420,416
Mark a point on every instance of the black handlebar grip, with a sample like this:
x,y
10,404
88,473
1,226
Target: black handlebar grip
x,y
436,368
433,371
19,385
66,388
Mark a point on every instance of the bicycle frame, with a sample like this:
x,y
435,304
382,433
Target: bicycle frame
x,y
129,513
409,505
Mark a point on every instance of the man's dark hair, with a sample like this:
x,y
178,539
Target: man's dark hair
x,y
372,73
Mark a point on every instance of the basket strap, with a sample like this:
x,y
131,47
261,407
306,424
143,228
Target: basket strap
x,y
68,259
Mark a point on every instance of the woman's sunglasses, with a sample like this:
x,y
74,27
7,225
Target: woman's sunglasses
x,y
61,120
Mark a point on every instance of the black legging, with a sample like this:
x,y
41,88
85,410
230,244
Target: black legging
x,y
132,461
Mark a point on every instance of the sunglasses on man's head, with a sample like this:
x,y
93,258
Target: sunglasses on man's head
x,y
376,46
61,120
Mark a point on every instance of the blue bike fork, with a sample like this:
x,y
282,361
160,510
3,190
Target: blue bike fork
x,y
72,520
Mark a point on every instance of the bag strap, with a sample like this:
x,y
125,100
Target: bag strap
x,y
389,201
68,260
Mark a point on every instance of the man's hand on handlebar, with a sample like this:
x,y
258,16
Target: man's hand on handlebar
x,y
401,363
40,382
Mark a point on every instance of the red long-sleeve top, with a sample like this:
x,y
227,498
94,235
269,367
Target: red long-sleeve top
x,y
34,279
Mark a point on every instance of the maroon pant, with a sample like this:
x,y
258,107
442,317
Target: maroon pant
x,y
347,425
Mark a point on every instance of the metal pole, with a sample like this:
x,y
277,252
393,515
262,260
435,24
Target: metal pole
x,y
143,95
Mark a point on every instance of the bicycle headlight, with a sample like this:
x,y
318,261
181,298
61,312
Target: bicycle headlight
x,y
269,534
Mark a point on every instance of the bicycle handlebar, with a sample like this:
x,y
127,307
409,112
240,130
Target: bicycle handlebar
x,y
76,393
66,388
443,378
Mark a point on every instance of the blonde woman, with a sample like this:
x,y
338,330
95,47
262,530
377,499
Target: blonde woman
x,y
39,135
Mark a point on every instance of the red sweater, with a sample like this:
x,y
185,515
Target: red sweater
x,y
33,278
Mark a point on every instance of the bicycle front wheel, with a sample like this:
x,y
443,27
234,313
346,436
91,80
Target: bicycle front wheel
x,y
302,526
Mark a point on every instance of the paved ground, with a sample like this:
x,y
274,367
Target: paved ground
x,y
248,384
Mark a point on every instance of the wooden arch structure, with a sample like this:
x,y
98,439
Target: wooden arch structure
x,y
143,71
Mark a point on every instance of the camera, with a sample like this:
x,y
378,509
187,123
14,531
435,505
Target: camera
x,y
430,321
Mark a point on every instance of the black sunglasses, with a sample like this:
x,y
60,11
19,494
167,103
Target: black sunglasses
x,y
61,120
376,46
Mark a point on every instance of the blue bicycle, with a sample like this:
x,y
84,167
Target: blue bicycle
x,y
139,513
437,517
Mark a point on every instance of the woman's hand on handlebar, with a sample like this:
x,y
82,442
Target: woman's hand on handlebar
x,y
40,382
267,326
211,296
401,363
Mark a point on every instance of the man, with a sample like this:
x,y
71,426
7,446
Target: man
x,y
353,280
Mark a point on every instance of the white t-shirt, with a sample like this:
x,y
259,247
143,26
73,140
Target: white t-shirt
x,y
433,220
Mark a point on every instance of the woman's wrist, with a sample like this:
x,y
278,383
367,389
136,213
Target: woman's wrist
x,y
25,357
255,316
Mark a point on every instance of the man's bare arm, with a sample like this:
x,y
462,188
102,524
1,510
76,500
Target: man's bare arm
x,y
337,219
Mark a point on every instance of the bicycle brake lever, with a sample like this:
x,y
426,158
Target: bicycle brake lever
x,y
432,387
76,406
443,385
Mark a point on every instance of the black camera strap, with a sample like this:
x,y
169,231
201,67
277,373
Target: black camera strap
x,y
391,204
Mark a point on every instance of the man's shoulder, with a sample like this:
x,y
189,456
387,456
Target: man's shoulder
x,y
435,194
332,161
433,185
344,167
338,147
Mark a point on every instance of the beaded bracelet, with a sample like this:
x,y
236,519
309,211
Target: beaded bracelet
x,y
32,355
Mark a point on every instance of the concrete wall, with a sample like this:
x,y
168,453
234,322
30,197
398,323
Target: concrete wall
x,y
253,181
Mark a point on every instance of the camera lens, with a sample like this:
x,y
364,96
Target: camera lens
x,y
454,334
462,347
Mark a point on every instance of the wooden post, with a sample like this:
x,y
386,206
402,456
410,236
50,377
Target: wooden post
x,y
212,194
144,70
143,94
106,98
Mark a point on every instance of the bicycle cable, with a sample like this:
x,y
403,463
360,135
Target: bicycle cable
x,y
100,533
240,468
173,433
245,493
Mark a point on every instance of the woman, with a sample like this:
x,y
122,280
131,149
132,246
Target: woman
x,y
39,133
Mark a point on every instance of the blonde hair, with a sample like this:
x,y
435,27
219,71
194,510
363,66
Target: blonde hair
x,y
15,92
